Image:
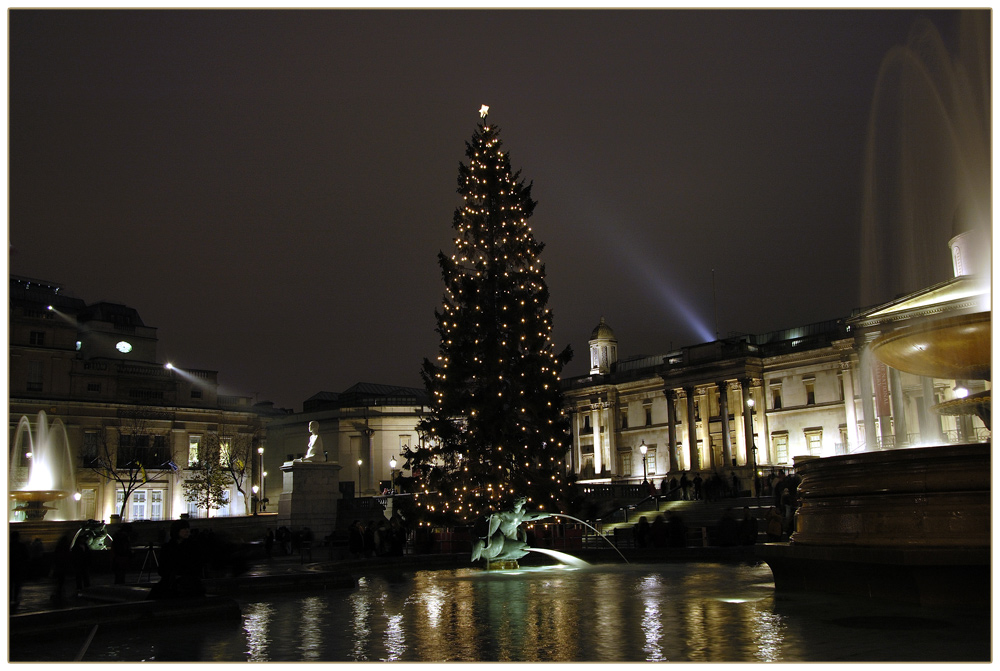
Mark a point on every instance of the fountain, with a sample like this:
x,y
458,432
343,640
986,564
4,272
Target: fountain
x,y
913,524
505,542
49,475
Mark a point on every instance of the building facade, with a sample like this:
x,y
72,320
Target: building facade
x,y
747,404
85,378
370,423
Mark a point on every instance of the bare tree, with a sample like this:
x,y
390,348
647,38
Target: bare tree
x,y
207,485
236,446
130,451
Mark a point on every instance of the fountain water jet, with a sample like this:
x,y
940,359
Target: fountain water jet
x,y
49,475
505,542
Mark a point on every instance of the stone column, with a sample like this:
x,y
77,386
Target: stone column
x,y
705,432
747,417
694,459
727,444
898,409
595,420
931,426
867,400
740,450
850,411
672,430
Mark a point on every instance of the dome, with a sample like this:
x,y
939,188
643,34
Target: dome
x,y
603,332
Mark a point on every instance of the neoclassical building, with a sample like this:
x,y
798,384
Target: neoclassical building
x,y
92,369
370,423
749,401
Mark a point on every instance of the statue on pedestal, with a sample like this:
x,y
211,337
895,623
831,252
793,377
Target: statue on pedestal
x,y
315,451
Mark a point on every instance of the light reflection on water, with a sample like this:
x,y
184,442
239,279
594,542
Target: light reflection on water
x,y
611,613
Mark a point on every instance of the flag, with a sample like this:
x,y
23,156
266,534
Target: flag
x,y
143,471
172,466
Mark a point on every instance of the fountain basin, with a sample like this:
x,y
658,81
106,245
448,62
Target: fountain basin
x,y
33,502
909,525
953,348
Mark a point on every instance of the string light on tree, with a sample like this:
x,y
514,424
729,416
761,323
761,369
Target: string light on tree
x,y
496,430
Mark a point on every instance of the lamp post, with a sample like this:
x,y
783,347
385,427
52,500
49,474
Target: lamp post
x,y
260,453
753,449
359,476
254,499
392,476
263,491
643,448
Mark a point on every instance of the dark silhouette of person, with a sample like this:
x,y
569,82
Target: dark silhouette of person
x,y
676,531
62,564
641,532
397,538
729,529
180,565
356,539
268,542
697,486
37,567
774,525
17,566
80,557
369,536
748,527
121,553
658,532
736,486
664,487
685,486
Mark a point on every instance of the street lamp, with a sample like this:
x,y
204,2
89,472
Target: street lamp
x,y
359,476
753,450
392,475
643,448
255,498
260,453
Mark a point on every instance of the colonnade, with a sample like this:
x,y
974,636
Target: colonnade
x,y
690,448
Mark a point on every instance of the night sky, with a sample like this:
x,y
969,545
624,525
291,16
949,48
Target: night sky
x,y
270,189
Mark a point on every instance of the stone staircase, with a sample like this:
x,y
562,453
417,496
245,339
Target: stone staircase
x,y
700,517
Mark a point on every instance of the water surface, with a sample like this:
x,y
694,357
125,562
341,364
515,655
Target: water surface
x,y
608,613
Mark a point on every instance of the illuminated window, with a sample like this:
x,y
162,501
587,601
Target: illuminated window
x,y
156,504
814,441
625,462
139,508
194,449
779,441
776,396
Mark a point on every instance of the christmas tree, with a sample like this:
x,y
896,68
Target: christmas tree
x,y
496,430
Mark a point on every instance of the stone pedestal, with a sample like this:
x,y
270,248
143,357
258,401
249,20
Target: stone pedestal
x,y
310,492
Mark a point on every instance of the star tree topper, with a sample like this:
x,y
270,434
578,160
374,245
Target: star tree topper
x,y
483,111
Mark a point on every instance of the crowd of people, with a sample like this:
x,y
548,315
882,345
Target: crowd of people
x,y
381,539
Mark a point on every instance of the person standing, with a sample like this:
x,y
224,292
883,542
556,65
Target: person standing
x,y
121,553
17,567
